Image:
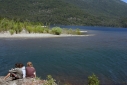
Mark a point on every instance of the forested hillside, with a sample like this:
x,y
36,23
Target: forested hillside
x,y
108,8
67,12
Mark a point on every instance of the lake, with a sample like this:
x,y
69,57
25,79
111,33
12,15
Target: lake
x,y
71,59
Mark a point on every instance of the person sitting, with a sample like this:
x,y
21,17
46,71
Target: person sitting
x,y
23,69
15,73
30,70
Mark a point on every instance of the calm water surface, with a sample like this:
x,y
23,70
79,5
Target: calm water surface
x,y
71,59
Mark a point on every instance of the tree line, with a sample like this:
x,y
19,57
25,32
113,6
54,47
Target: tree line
x,y
31,27
56,12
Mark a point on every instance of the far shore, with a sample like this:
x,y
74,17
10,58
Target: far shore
x,y
35,35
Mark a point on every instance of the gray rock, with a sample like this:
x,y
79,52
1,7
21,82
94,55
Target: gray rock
x,y
25,81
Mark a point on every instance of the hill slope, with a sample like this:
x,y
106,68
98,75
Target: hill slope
x,y
110,8
67,12
51,11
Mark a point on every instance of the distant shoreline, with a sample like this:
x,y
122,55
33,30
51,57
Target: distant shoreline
x,y
35,35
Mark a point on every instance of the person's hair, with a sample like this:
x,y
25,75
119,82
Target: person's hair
x,y
20,65
29,64
17,65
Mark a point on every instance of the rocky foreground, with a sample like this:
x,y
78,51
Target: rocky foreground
x,y
25,81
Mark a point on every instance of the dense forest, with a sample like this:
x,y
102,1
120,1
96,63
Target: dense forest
x,y
111,13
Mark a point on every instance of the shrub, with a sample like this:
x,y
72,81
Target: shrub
x,y
11,32
50,81
35,29
46,30
17,27
20,27
77,31
93,80
70,31
56,30
40,29
29,29
25,24
64,31
4,24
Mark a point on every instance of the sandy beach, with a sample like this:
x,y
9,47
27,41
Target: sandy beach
x,y
34,35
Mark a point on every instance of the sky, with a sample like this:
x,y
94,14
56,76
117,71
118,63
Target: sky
x,y
125,1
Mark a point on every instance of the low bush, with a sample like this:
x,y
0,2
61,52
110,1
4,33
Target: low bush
x,y
29,29
70,31
12,32
77,31
56,30
46,30
50,81
93,80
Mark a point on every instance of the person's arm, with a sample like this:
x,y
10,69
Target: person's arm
x,y
35,74
12,70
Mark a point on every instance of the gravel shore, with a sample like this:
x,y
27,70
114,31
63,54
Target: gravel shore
x,y
34,35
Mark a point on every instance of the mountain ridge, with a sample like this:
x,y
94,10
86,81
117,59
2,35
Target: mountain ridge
x,y
110,7
65,12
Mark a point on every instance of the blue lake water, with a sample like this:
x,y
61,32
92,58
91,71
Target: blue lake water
x,y
71,59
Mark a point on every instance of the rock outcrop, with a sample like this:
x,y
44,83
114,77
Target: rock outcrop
x,y
25,81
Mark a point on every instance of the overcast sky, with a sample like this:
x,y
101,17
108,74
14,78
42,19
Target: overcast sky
x,y
125,1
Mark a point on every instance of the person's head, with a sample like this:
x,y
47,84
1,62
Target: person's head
x,y
20,65
17,65
29,64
